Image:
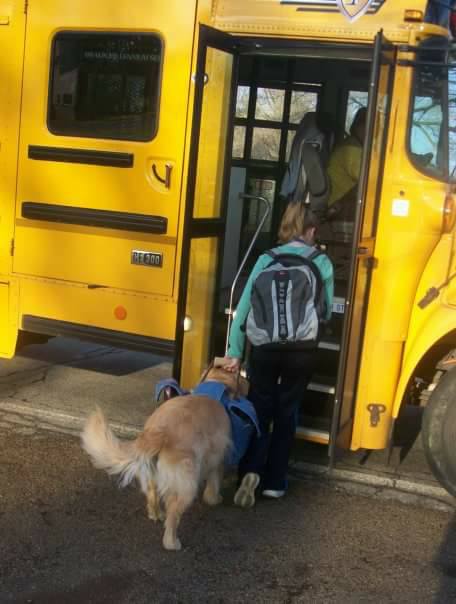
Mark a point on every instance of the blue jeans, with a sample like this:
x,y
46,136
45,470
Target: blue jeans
x,y
275,402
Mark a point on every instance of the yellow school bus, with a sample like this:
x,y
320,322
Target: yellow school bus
x,y
140,142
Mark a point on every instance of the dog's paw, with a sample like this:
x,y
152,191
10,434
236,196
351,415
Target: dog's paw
x,y
157,515
172,545
151,514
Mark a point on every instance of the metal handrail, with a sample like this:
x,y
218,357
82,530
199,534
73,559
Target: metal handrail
x,y
246,255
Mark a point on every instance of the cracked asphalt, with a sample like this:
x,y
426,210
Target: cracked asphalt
x,y
69,535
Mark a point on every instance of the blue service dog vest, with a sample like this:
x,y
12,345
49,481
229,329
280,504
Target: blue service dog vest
x,y
243,418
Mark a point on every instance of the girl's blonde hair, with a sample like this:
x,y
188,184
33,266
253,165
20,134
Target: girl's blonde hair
x,y
296,221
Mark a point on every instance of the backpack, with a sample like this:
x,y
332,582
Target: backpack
x,y
287,301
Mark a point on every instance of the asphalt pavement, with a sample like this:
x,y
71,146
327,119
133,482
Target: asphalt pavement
x,y
69,535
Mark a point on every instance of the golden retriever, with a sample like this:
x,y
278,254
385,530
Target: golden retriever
x,y
182,447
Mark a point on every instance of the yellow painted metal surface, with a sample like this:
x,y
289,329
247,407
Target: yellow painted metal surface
x,y
404,244
75,303
435,321
449,292
200,296
208,204
82,253
11,55
300,19
211,150
8,318
93,255
74,254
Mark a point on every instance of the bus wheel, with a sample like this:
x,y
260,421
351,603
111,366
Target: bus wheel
x,y
439,424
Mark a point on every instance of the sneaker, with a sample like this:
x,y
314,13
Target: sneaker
x,y
272,494
245,495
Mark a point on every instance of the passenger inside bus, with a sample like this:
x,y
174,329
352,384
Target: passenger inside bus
x,y
344,169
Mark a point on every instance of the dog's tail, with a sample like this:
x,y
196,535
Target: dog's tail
x,y
123,458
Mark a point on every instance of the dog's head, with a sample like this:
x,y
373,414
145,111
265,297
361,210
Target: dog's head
x,y
236,384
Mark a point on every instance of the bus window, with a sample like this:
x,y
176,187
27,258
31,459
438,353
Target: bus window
x,y
302,101
355,100
105,85
242,101
266,144
427,134
269,104
238,142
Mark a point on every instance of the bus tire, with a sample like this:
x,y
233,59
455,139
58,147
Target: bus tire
x,y
439,428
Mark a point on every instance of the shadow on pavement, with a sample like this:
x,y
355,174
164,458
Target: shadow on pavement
x,y
445,563
92,357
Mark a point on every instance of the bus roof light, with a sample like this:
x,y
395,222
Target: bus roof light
x,y
413,15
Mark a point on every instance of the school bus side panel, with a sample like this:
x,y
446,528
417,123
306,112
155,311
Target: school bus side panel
x,y
12,31
408,231
313,19
54,259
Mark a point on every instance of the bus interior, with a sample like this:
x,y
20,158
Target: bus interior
x,y
274,92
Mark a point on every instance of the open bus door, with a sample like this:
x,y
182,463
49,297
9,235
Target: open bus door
x,y
211,141
363,261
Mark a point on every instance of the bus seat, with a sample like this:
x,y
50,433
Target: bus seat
x,y
306,173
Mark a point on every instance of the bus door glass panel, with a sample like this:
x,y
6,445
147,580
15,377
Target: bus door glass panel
x,y
210,156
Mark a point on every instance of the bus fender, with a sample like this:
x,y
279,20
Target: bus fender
x,y
440,322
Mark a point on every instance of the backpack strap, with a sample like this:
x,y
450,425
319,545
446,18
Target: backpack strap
x,y
315,254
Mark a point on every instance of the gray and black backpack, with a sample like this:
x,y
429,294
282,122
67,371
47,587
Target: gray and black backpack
x,y
287,302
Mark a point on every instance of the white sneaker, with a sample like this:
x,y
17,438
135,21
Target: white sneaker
x,y
245,495
271,494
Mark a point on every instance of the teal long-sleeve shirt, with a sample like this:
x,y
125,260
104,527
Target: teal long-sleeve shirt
x,y
322,262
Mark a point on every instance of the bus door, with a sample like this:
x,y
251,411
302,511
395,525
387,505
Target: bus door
x,y
363,261
104,107
214,105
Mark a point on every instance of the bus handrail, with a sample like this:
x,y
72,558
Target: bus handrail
x,y
267,204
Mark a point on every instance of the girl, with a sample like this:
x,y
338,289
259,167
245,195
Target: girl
x,y
266,459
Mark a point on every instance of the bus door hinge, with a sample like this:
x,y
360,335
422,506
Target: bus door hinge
x,y
26,3
12,247
375,410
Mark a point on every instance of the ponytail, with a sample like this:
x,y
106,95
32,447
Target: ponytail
x,y
297,219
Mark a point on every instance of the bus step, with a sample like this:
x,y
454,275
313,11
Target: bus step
x,y
312,435
321,384
329,343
